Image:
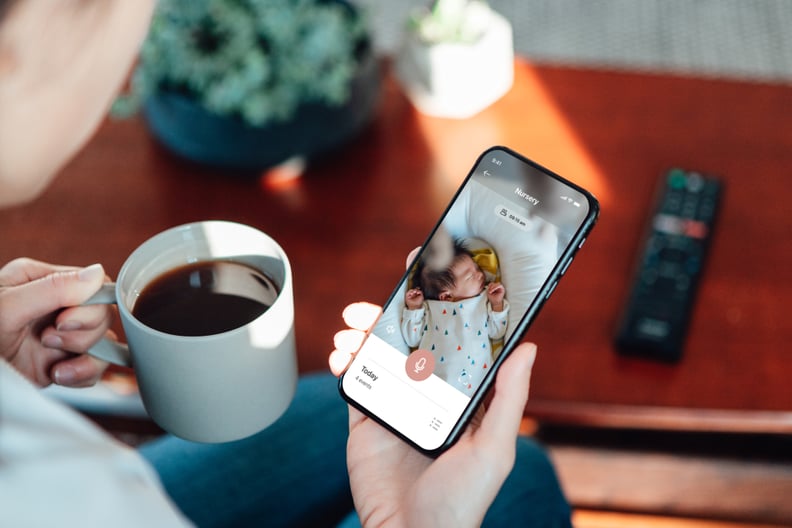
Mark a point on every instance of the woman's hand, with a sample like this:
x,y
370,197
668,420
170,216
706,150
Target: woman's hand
x,y
44,331
393,484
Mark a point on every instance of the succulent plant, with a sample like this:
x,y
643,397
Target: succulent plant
x,y
256,59
460,21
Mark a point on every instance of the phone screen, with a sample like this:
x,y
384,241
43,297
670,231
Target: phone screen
x,y
481,276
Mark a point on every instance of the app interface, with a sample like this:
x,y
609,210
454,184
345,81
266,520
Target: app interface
x,y
464,297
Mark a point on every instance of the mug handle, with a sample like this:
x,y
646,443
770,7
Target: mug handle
x,y
106,349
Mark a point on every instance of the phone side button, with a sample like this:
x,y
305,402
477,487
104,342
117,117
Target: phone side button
x,y
552,289
566,266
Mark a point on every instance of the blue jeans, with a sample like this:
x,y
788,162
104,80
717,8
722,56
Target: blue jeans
x,y
294,473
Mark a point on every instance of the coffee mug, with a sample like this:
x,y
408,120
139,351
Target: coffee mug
x,y
207,388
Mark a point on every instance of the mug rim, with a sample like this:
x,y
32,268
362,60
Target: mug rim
x,y
127,311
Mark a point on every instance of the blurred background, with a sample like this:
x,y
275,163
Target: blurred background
x,y
741,39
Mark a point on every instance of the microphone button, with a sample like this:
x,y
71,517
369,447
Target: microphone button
x,y
419,365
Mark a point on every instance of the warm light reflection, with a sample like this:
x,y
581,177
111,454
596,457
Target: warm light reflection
x,y
285,175
284,180
528,120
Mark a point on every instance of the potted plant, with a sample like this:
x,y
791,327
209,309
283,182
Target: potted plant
x,y
456,59
250,83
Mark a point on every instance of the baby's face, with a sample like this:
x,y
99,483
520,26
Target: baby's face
x,y
468,277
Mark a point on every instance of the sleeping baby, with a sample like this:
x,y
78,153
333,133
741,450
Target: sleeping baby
x,y
452,312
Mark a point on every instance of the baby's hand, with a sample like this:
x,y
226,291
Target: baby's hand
x,y
495,294
414,298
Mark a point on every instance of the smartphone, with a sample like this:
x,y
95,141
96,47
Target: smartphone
x,y
486,269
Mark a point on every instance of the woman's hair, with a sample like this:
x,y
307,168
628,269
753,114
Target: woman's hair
x,y
5,6
433,282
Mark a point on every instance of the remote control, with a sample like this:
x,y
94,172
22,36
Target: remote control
x,y
659,305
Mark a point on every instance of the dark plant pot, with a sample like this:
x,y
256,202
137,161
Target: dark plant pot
x,y
188,129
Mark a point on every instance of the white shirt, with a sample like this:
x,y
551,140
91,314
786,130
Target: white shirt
x,y
458,334
59,469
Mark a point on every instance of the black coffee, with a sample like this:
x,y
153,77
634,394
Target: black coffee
x,y
205,298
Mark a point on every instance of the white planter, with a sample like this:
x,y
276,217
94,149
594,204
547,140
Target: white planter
x,y
458,80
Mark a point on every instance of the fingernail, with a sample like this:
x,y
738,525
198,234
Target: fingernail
x,y
361,315
64,375
52,341
69,326
91,273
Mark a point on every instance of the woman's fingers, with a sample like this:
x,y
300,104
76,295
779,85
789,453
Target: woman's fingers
x,y
502,419
361,315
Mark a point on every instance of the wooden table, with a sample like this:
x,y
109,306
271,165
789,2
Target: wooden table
x,y
348,223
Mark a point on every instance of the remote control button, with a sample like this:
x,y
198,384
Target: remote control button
x,y
676,179
653,328
673,255
693,264
649,277
706,210
668,269
696,229
657,242
667,224
672,203
689,207
695,183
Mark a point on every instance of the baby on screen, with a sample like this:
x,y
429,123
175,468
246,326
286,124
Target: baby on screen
x,y
452,312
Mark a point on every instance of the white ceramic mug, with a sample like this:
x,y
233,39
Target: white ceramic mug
x,y
212,388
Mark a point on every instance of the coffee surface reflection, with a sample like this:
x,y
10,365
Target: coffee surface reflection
x,y
205,298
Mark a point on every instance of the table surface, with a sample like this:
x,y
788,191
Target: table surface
x,y
348,222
